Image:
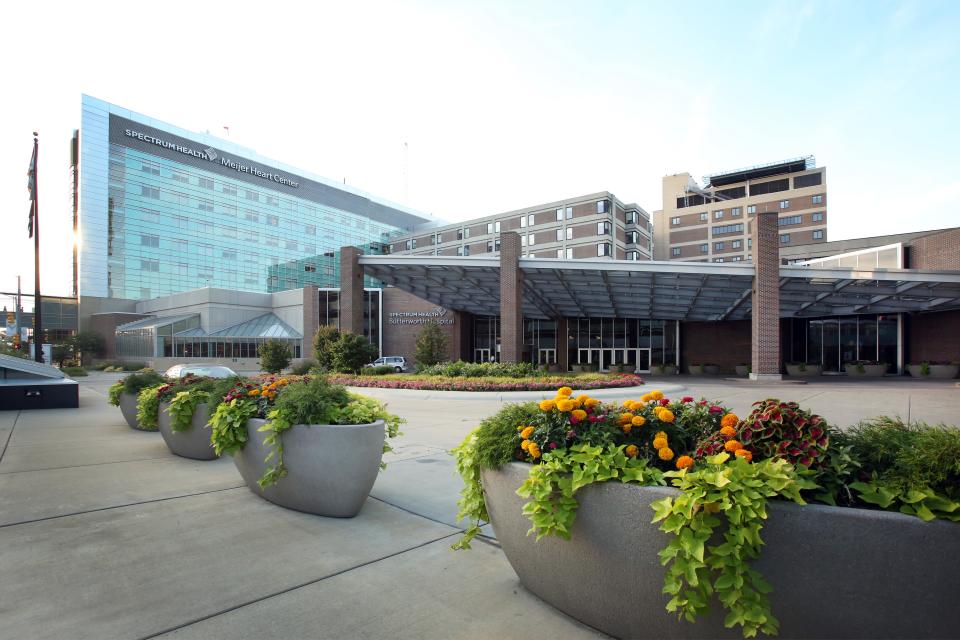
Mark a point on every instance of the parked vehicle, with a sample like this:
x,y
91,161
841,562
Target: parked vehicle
x,y
397,362
201,370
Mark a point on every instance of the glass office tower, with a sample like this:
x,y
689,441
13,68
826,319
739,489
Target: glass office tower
x,y
163,210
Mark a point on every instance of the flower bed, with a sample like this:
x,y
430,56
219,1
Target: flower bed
x,y
444,383
727,474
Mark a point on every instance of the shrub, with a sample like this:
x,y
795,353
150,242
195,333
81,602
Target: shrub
x,y
379,370
303,368
62,353
323,341
87,343
350,352
274,356
148,407
431,345
460,369
132,366
74,372
134,384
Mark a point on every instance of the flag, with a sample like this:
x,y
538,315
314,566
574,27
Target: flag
x,y
32,186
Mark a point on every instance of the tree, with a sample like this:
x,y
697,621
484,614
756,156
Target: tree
x,y
87,344
431,345
274,356
62,352
323,341
351,352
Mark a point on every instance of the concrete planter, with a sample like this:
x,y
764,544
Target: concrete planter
x,y
128,407
193,443
703,369
585,368
665,370
835,572
869,370
808,371
941,371
622,368
743,370
330,468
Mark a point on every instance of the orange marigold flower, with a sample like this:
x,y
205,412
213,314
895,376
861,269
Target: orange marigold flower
x,y
656,395
743,453
627,428
659,443
566,405
660,434
579,414
534,450
632,451
729,420
564,391
526,444
626,417
684,462
666,415
591,402
728,432
732,445
253,392
645,398
547,405
638,421
527,432
665,453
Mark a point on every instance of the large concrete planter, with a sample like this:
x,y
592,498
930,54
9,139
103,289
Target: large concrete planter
x,y
622,368
703,369
665,370
835,572
940,371
330,468
869,370
128,407
590,367
743,370
193,443
804,371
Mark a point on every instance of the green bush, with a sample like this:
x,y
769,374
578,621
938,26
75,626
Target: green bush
x,y
431,345
132,366
351,352
323,341
74,372
148,407
274,356
460,369
314,402
496,435
379,370
303,368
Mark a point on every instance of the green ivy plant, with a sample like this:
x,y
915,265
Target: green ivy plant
x,y
148,406
114,393
924,502
697,570
183,406
228,425
471,505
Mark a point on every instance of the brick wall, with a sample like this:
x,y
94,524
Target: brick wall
x,y
936,251
723,343
401,339
933,337
511,298
351,291
765,316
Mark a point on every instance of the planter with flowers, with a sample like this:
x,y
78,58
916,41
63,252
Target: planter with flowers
x,y
183,414
303,443
803,369
577,494
943,370
865,369
125,393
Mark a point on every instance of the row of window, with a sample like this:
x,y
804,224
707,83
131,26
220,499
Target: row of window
x,y
604,228
735,211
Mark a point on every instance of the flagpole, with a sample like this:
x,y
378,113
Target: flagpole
x,y
37,302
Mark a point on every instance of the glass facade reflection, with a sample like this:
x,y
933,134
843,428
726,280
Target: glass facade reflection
x,y
835,341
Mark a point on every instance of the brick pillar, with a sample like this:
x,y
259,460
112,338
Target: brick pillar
x,y
351,291
765,314
311,318
511,298
562,343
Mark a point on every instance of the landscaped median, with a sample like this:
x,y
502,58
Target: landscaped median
x,y
587,381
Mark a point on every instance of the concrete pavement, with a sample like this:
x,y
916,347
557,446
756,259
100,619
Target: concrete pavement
x,y
104,533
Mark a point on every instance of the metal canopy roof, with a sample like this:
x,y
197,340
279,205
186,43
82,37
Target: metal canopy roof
x,y
662,290
266,326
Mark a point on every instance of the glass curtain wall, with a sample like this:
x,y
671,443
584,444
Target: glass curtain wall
x,y
329,310
836,341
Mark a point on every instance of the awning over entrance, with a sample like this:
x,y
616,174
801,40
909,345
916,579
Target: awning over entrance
x,y
662,290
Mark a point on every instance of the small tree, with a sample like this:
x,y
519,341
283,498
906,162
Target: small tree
x,y
323,341
351,352
274,356
431,345
87,344
62,352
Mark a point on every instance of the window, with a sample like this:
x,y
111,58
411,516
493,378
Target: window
x,y
459,234
414,243
229,254
737,258
736,244
817,199
523,222
818,234
466,232
675,251
523,241
749,243
809,180
569,233
206,183
149,241
603,206
253,216
227,232
292,244
703,217
789,220
251,195
718,259
496,226
560,253
604,228
532,255
150,265
273,221
530,219
784,238
271,200
150,167
735,212
229,210
408,245
179,177
466,250
559,235
205,205
490,246
818,216
784,204
674,221
728,228
530,240
149,215
633,237
310,229
150,192
559,219
180,222
718,215
569,213
229,189
569,254
718,246
704,248
604,249
205,227
633,255
459,251
631,217
752,208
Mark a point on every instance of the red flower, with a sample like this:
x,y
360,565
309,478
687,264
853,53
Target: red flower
x,y
716,409
665,402
553,445
702,403
686,399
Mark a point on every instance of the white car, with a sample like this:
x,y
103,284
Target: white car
x,y
199,370
397,362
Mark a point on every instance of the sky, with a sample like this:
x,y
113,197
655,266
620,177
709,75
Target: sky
x,y
500,105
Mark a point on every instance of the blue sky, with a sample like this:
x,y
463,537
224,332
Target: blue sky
x,y
507,104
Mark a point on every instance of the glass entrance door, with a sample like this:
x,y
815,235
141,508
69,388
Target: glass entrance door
x,y
642,358
546,356
481,355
